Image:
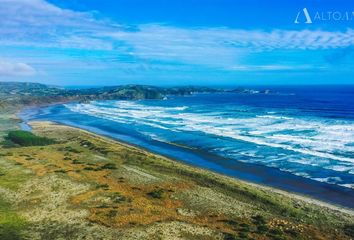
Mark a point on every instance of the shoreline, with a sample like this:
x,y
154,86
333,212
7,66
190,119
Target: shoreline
x,y
273,190
248,172
99,185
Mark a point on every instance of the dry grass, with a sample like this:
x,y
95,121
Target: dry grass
x,y
92,186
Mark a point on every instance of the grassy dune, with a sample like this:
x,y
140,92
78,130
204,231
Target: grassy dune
x,y
89,187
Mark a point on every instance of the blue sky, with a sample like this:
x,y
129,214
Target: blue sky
x,y
161,42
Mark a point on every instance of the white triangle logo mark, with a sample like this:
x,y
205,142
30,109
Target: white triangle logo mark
x,y
307,16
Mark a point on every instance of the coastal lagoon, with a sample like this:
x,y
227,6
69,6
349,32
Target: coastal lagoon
x,y
299,139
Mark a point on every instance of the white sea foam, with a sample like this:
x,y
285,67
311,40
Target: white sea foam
x,y
274,117
347,185
328,179
311,137
340,168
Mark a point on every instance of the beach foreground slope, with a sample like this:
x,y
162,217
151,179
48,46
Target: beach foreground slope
x,y
85,186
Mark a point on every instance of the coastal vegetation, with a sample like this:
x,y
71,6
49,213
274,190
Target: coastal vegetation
x,y
25,139
108,189
59,182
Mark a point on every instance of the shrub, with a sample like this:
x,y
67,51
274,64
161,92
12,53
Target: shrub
x,y
158,193
118,198
349,230
104,186
230,222
8,144
109,166
229,236
275,234
292,232
24,138
103,206
89,168
243,235
112,213
69,149
75,161
262,229
258,220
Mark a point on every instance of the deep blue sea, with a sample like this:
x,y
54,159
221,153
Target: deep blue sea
x,y
296,138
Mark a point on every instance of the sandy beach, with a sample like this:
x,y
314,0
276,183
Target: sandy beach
x,y
89,186
42,125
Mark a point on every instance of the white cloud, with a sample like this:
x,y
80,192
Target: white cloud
x,y
223,47
173,38
271,67
39,23
26,21
15,69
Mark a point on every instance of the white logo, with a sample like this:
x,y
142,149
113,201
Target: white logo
x,y
307,16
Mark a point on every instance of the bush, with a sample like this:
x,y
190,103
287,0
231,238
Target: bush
x,y
69,149
258,220
158,193
112,213
229,236
243,235
292,232
25,139
349,230
89,168
118,198
104,186
75,161
230,222
7,231
262,229
109,166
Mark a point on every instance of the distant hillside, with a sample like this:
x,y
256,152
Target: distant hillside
x,y
9,90
14,93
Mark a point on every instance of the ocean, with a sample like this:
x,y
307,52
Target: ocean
x,y
300,139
